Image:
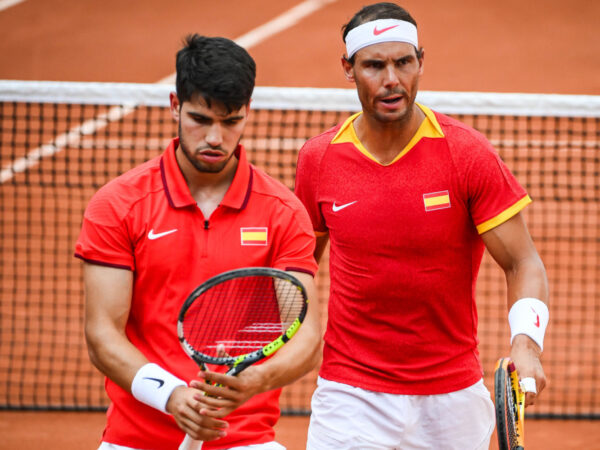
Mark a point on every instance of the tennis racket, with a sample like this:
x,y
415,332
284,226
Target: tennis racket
x,y
240,317
510,405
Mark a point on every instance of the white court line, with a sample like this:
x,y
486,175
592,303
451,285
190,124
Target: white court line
x,y
4,4
72,137
274,26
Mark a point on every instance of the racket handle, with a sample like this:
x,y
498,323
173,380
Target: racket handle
x,y
190,444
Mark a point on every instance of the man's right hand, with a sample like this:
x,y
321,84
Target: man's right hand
x,y
186,410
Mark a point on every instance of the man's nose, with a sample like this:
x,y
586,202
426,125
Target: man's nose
x,y
214,137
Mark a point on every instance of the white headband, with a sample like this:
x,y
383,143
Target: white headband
x,y
378,31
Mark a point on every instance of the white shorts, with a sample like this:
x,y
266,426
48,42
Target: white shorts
x,y
266,446
349,418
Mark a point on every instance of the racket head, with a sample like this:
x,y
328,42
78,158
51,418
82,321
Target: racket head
x,y
510,406
241,316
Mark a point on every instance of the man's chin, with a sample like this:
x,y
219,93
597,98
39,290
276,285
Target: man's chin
x,y
393,116
204,168
208,166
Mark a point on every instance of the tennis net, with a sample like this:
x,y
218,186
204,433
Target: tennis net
x,y
61,141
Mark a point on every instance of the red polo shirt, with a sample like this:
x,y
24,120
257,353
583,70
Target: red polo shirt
x,y
147,221
405,250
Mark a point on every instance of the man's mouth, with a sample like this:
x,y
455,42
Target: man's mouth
x,y
391,100
212,155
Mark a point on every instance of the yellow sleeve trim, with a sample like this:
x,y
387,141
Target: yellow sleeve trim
x,y
321,233
504,215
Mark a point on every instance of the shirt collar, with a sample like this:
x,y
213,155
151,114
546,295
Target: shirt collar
x,y
429,128
178,192
239,192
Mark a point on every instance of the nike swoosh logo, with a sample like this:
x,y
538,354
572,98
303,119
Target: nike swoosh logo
x,y
152,235
158,380
537,316
377,32
336,208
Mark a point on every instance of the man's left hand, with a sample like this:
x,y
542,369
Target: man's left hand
x,y
525,353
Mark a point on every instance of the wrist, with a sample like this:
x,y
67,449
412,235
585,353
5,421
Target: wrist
x,y
529,316
153,385
524,345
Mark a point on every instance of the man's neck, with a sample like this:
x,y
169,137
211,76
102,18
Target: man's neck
x,y
208,189
385,140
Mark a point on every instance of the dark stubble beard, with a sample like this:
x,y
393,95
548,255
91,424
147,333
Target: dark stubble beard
x,y
199,165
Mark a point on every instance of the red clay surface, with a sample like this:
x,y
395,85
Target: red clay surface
x,y
545,46
78,431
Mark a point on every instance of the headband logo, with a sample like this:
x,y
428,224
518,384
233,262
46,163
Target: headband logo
x,y
377,32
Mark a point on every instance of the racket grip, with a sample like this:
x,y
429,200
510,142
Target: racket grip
x,y
190,444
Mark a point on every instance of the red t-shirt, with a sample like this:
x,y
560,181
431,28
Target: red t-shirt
x,y
405,251
147,221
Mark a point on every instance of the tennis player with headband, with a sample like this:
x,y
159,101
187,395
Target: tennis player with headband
x,y
409,199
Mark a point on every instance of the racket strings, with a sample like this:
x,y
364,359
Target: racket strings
x,y
241,315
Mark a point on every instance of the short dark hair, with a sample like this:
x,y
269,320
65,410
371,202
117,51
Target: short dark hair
x,y
382,10
217,69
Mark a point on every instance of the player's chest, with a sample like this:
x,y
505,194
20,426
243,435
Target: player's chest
x,y
183,240
416,197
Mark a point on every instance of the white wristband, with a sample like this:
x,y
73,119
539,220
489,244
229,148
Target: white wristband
x,y
529,316
153,386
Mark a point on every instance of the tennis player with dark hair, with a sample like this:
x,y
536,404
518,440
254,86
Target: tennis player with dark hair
x,y
408,199
152,235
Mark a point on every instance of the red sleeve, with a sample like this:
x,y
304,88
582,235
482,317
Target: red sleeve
x,y
104,238
307,179
296,241
494,193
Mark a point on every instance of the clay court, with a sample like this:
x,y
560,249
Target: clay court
x,y
541,46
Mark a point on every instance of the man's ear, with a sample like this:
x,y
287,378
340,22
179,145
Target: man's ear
x,y
348,69
174,106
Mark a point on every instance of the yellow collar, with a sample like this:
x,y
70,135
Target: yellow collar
x,y
429,128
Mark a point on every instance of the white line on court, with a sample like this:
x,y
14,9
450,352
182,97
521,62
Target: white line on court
x,y
286,20
4,4
73,136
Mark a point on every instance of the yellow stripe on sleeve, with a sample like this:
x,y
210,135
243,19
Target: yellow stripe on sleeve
x,y
504,215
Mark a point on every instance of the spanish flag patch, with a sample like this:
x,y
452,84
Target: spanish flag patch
x,y
254,235
436,200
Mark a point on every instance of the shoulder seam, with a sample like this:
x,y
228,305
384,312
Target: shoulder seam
x,y
139,199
